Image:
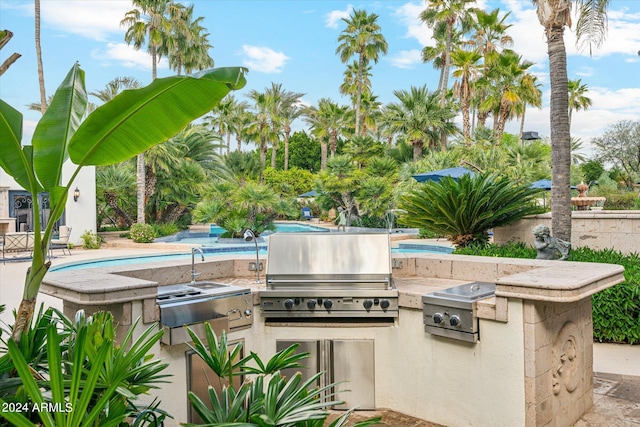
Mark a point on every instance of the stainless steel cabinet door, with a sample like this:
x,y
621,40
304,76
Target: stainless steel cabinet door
x,y
353,367
312,363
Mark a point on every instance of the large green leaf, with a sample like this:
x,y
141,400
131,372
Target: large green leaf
x,y
136,120
12,159
57,126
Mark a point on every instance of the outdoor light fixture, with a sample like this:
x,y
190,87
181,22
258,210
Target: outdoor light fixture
x,y
249,236
76,194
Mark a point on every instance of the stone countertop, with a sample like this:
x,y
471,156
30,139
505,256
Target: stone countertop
x,y
556,281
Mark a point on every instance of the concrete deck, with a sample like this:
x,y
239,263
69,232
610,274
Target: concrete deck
x,y
617,367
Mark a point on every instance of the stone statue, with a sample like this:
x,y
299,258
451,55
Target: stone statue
x,y
549,247
342,219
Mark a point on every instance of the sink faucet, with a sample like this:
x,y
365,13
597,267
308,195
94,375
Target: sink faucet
x,y
193,263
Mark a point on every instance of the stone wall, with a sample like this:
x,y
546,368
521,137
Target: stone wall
x,y
618,230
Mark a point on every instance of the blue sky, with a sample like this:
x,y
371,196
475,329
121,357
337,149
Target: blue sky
x,y
293,43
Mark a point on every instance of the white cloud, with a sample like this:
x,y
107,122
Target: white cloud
x,y
335,16
409,16
127,56
406,58
585,72
263,59
95,19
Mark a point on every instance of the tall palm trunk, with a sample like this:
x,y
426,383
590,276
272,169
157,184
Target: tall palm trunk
x,y
524,112
287,132
334,142
43,94
273,156
417,149
560,136
359,92
141,182
323,155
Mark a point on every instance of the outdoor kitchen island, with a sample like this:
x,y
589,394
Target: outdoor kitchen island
x,y
531,364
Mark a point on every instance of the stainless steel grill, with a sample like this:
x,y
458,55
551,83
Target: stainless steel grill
x,y
329,275
223,306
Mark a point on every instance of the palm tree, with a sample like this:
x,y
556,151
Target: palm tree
x,y
116,183
577,97
489,32
361,38
554,16
327,121
349,85
419,117
241,124
466,63
187,46
43,94
284,110
114,87
262,128
147,23
506,74
530,94
452,13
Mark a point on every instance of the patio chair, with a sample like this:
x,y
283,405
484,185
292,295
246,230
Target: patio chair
x,y
16,242
62,242
306,213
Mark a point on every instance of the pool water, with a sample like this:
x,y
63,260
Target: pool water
x,y
250,249
281,227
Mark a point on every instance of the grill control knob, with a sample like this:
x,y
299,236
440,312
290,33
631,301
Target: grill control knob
x,y
328,304
437,318
248,312
384,304
288,304
367,304
454,320
311,304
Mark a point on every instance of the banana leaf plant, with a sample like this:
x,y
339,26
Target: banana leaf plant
x,y
93,381
120,129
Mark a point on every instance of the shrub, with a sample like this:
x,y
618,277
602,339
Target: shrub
x,y
166,229
621,201
616,310
91,240
466,209
142,233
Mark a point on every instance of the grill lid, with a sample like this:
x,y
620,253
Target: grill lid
x,y
329,260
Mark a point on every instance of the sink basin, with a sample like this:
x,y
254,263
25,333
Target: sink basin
x,y
207,285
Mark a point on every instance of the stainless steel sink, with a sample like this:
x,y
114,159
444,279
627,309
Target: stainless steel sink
x,y
208,285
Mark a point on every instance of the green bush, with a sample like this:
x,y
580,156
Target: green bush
x,y
621,201
466,209
166,229
142,233
91,240
616,310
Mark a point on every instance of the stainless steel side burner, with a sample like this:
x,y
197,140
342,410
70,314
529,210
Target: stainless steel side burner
x,y
451,312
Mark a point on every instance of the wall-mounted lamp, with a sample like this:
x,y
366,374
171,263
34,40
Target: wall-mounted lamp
x,y
76,194
249,236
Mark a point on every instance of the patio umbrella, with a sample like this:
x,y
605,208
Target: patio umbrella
x,y
545,184
311,193
454,173
542,183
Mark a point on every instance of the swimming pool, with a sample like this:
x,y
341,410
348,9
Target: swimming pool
x,y
250,249
210,239
281,227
